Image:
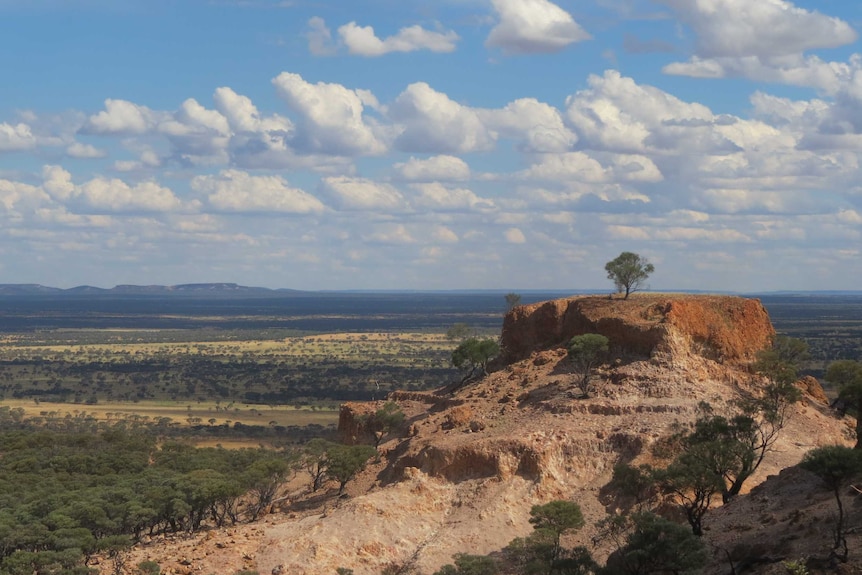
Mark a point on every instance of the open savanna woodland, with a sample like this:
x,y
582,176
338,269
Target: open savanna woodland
x,y
441,434
226,368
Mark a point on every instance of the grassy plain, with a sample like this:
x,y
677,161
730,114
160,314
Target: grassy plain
x,y
232,392
830,324
320,369
184,414
119,345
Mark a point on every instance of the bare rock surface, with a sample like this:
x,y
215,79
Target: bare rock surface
x,y
468,466
728,329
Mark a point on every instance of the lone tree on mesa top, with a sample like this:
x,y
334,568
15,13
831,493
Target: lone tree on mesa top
x,y
629,271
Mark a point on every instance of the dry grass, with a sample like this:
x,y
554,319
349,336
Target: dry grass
x,y
397,347
100,368
184,413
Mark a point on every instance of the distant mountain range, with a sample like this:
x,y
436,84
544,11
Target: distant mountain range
x,y
201,289
224,289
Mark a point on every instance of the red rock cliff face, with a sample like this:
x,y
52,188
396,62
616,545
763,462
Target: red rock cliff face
x,y
724,328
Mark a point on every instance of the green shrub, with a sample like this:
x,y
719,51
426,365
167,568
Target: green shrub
x,y
796,567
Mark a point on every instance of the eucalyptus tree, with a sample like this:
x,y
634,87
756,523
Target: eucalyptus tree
x,y
629,271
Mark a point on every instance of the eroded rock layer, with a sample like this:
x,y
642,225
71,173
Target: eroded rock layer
x,y
723,328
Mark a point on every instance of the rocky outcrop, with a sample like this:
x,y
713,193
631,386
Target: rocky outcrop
x,y
468,465
697,339
354,416
352,420
722,328
812,388
524,435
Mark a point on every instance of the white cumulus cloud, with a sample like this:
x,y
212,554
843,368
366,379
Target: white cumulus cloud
x,y
16,138
58,183
765,28
445,235
319,38
15,196
393,234
199,135
361,194
565,167
362,41
851,217
616,113
238,191
121,117
107,195
79,150
764,40
528,26
330,117
441,167
515,236
537,126
634,168
148,159
243,116
115,195
432,122
437,197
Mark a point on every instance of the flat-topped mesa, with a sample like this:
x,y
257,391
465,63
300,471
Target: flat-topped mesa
x,y
728,329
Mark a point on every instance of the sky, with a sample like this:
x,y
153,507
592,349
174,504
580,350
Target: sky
x,y
431,144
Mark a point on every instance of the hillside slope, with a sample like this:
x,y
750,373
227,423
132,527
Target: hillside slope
x,y
469,465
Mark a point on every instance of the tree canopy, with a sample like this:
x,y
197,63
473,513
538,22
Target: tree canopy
x,y
345,461
781,362
585,352
459,332
67,496
541,552
657,545
734,446
629,271
466,564
474,354
835,465
383,421
847,375
692,480
512,300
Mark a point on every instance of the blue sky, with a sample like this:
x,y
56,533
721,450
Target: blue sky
x,y
431,144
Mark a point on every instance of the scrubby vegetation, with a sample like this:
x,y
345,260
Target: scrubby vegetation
x,y
295,369
718,453
586,352
65,497
472,356
831,325
836,466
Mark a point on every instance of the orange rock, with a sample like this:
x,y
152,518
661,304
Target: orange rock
x,y
812,388
725,328
458,417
